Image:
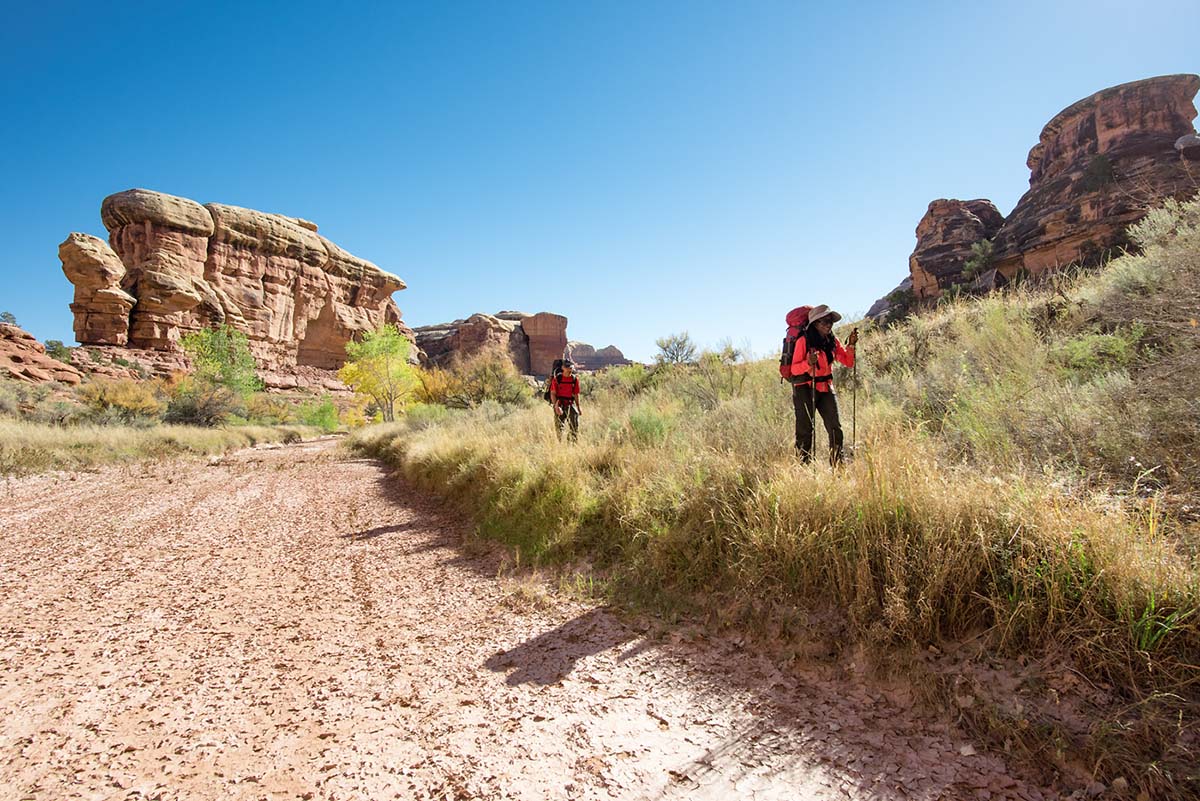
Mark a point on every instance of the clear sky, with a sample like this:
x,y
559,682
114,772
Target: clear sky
x,y
642,167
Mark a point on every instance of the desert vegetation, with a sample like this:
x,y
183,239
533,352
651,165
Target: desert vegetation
x,y
1022,494
215,408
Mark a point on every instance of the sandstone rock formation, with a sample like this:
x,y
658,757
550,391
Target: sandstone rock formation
x,y
587,357
547,334
101,307
176,266
944,239
1097,167
442,344
532,341
24,358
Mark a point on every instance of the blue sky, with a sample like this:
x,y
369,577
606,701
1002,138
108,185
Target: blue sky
x,y
642,167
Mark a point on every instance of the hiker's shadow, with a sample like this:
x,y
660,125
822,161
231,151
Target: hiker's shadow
x,y
549,657
378,531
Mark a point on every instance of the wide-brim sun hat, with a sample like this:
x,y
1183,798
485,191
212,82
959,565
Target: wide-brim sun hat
x,y
821,312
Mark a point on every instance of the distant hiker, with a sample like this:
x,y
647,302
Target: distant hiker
x,y
564,397
812,381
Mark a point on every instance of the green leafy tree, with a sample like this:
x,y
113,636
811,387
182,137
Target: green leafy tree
x,y
8,317
676,349
222,380
378,368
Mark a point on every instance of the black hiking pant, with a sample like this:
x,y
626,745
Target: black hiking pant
x,y
569,417
807,406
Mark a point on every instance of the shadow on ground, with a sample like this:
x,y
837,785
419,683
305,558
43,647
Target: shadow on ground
x,y
550,656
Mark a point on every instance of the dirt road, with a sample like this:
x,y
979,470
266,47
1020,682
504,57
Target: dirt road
x,y
287,624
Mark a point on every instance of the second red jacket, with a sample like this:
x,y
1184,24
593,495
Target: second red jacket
x,y
822,376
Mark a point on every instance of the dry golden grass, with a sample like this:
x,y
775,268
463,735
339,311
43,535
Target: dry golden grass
x,y
27,447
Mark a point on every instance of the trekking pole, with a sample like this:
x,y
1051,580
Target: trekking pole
x,y
854,410
812,420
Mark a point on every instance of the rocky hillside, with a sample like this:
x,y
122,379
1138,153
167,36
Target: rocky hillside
x,y
24,358
1097,167
172,265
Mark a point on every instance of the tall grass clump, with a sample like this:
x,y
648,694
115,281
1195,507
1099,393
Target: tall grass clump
x,y
1021,480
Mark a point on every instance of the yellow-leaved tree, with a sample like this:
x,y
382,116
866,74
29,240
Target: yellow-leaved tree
x,y
378,368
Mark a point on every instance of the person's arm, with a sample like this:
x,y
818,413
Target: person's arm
x,y
846,355
800,362
554,394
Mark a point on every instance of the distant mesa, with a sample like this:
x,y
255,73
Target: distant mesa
x,y
172,266
531,341
1097,167
590,358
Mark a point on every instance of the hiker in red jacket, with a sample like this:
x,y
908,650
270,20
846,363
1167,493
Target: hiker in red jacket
x,y
564,397
812,381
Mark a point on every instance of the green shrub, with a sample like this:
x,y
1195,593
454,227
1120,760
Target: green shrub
x,y
267,409
201,402
1093,354
322,414
424,415
55,349
488,375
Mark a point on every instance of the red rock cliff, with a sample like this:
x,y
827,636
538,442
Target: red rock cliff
x,y
1098,165
176,266
945,236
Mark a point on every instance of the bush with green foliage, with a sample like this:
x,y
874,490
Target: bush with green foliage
x,y
222,380
979,261
221,356
676,349
55,349
488,375
322,414
8,317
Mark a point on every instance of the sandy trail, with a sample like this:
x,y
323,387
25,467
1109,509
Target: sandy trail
x,y
286,623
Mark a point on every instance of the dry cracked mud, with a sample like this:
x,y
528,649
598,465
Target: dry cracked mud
x,y
290,623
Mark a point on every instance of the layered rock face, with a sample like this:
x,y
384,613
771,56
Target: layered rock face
x,y
176,266
945,236
532,341
442,344
547,340
1099,164
101,307
24,358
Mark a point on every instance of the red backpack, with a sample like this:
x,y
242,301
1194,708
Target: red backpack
x,y
797,321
